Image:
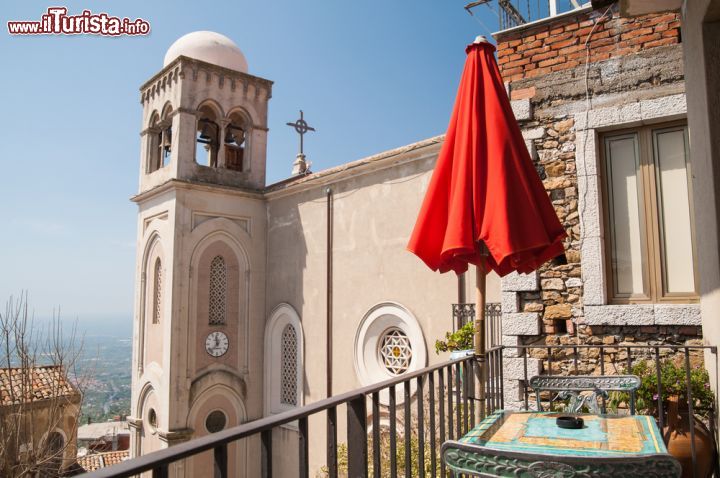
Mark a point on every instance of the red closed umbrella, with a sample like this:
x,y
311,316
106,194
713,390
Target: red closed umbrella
x,y
485,187
485,191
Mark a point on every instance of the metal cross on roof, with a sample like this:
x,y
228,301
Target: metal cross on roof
x,y
301,127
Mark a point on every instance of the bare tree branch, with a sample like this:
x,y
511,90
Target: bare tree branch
x,y
40,393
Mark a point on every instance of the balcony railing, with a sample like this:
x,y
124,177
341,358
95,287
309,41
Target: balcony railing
x,y
512,13
412,415
464,313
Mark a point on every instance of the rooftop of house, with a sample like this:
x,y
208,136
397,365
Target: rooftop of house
x,y
102,460
94,431
24,385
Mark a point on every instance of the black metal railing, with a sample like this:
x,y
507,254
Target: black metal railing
x,y
413,414
430,405
512,13
465,313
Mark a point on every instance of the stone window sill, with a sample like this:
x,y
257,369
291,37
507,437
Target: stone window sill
x,y
649,314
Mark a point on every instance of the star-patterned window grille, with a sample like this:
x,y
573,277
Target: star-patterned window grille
x,y
395,351
289,366
218,291
157,286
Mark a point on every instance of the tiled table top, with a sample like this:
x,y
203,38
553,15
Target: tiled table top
x,y
601,436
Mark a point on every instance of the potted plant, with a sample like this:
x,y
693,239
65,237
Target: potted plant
x,y
676,414
459,343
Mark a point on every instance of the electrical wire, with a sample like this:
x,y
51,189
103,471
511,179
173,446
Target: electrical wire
x,y
588,106
480,21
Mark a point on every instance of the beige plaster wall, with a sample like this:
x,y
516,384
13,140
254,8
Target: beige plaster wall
x,y
374,213
284,453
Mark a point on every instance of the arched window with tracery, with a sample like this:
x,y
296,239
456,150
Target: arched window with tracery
x,y
289,366
218,291
157,291
283,361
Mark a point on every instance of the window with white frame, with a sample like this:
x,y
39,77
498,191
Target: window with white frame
x,y
649,224
283,360
218,291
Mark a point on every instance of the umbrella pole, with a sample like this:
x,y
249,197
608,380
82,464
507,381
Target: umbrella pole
x,y
481,367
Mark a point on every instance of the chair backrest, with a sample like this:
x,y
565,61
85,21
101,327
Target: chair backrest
x,y
472,460
572,386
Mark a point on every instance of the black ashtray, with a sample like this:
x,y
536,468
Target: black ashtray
x,y
572,423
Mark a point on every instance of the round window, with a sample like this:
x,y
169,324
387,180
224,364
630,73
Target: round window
x,y
389,343
395,351
215,421
152,418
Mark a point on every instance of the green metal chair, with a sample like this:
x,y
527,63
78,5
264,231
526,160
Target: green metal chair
x,y
465,459
572,388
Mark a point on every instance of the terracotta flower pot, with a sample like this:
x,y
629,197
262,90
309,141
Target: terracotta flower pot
x,y
677,436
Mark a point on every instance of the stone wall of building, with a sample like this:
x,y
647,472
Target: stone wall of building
x,y
635,76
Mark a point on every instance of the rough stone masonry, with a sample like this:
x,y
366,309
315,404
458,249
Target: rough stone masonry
x,y
570,78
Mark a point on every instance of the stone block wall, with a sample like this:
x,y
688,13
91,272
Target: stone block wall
x,y
635,75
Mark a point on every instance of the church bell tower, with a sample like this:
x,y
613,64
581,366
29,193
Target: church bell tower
x,y
199,309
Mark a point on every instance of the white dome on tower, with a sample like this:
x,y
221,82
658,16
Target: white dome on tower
x,y
209,47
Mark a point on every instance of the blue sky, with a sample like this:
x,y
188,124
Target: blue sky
x,y
370,76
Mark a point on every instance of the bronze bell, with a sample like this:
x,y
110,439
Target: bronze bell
x,y
205,133
167,139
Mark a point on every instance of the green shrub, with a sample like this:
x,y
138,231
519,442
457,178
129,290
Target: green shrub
x,y
674,383
385,457
462,339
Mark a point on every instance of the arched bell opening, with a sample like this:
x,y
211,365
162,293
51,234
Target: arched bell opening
x,y
159,139
235,139
207,137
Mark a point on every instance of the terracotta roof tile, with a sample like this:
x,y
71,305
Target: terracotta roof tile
x,y
91,462
19,385
102,460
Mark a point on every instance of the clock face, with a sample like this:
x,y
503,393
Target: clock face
x,y
217,344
